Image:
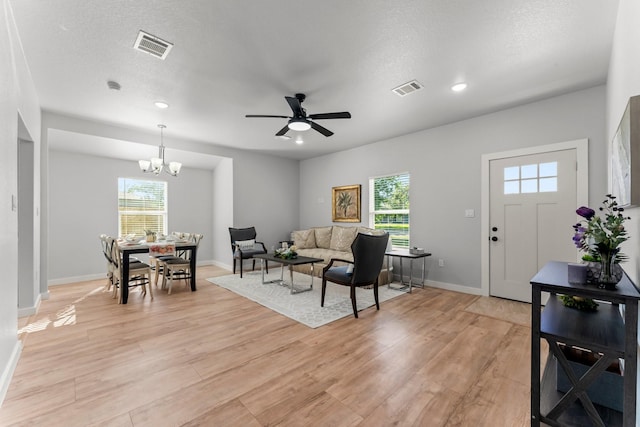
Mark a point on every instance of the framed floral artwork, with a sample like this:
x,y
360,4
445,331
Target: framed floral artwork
x,y
625,156
345,202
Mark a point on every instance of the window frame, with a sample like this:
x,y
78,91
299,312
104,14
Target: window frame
x,y
373,212
133,212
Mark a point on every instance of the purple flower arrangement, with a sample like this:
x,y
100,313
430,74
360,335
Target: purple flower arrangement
x,y
598,236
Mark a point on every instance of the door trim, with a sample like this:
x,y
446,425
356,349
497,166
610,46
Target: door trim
x,y
582,189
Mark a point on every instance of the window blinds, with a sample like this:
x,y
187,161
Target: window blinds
x,y
389,208
142,205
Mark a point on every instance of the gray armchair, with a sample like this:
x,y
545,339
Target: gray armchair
x,y
368,255
243,247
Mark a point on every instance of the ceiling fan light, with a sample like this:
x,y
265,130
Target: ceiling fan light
x,y
299,125
144,165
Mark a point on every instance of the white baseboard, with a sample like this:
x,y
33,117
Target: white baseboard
x,y
76,279
28,311
454,287
9,369
446,286
98,276
222,265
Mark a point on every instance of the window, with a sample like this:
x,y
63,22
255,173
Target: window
x,y
389,207
142,205
535,178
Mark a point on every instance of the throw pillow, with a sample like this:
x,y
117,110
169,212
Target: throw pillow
x,y
245,244
304,239
342,238
323,237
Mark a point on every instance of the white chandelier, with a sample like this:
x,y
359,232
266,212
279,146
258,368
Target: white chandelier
x,y
157,164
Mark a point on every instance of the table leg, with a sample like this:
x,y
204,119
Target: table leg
x,y
410,274
311,284
536,302
630,356
192,266
291,277
124,285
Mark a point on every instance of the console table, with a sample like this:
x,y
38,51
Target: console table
x,y
606,332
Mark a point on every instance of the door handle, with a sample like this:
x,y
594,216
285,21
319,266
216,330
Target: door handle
x,y
494,239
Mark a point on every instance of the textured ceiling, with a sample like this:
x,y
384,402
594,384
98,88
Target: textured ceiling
x,y
232,58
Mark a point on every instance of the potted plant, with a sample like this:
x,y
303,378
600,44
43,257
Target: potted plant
x,y
601,238
150,235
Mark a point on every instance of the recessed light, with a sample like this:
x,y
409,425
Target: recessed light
x,y
161,104
459,87
299,140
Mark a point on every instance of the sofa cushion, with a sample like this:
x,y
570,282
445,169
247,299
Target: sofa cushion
x,y
323,237
304,239
342,238
326,255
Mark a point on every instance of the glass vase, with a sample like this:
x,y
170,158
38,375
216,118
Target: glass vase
x,y
608,279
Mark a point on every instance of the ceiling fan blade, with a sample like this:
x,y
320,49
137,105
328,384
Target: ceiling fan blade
x,y
295,105
341,115
283,130
322,130
263,115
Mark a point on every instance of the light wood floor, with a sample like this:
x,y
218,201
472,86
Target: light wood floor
x,y
213,358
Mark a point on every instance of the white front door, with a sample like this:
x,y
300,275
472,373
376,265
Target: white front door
x,y
533,199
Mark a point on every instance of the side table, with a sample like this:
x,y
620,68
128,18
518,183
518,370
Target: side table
x,y
402,254
606,332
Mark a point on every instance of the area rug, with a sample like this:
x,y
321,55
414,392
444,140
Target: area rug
x,y
302,307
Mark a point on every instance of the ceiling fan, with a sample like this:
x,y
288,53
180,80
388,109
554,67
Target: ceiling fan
x,y
300,121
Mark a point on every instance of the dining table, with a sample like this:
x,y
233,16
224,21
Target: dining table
x,y
129,248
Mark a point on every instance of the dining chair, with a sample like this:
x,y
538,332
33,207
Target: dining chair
x,y
139,272
244,246
178,267
106,252
368,255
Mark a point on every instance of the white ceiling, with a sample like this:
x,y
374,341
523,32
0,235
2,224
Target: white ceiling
x,y
232,58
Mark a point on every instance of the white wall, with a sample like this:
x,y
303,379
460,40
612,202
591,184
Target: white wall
x,y
223,207
83,191
17,99
444,164
623,83
246,189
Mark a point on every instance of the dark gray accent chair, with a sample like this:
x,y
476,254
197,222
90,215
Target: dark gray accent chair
x,y
368,256
240,234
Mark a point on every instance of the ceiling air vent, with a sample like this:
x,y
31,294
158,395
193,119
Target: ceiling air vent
x,y
152,45
407,88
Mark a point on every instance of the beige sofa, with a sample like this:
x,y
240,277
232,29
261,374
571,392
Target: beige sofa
x,y
330,242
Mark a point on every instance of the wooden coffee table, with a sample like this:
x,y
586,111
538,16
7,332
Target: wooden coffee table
x,y
290,262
